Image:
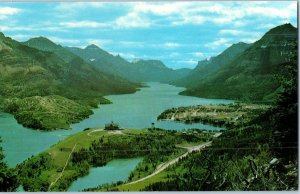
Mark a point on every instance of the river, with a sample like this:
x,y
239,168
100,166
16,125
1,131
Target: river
x,y
135,111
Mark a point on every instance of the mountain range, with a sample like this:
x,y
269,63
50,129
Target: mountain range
x,y
209,67
27,72
36,75
245,72
136,71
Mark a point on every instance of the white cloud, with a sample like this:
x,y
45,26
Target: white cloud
x,y
99,42
217,43
273,12
10,28
8,11
21,37
15,28
58,40
266,26
189,61
157,9
127,56
249,40
174,54
132,20
84,24
170,45
220,13
231,32
198,54
139,14
77,5
64,40
134,44
189,19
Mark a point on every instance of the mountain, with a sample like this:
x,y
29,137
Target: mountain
x,y
137,71
104,61
44,44
250,76
207,67
26,73
155,70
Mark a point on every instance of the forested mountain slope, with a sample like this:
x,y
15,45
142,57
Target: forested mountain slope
x,y
251,75
26,72
209,67
137,71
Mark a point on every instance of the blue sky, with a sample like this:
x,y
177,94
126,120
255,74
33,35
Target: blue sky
x,y
178,33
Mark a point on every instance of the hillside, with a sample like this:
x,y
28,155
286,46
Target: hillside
x,y
208,67
46,113
155,70
85,149
27,72
137,71
44,44
260,153
251,75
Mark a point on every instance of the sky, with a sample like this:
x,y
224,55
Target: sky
x,y
177,33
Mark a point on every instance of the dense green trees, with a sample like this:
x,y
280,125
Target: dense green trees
x,y
260,155
154,145
51,70
285,113
8,178
30,170
250,75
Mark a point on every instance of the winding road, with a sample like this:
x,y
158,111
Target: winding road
x,y
173,161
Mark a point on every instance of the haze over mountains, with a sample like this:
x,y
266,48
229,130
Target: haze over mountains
x,y
137,71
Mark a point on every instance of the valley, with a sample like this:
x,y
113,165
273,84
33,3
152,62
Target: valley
x,y
228,124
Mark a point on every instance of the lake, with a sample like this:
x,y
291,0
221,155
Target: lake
x,y
135,111
113,171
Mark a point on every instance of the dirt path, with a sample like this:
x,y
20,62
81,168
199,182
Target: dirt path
x,y
173,161
96,130
62,172
173,116
113,132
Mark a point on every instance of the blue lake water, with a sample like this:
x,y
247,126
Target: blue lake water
x,y
136,111
113,171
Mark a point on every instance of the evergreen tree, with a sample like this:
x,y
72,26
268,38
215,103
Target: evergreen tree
x,y
285,114
8,178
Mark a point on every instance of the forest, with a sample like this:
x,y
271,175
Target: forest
x,y
155,146
261,155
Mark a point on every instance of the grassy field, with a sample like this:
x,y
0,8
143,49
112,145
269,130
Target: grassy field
x,y
60,152
55,169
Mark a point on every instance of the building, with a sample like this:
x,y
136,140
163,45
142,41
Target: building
x,y
112,126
